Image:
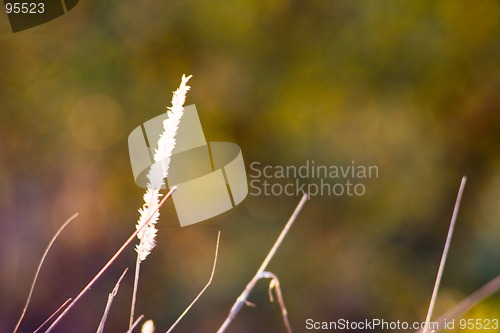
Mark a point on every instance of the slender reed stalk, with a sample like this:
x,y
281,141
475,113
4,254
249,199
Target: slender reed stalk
x,y
275,284
445,255
242,299
111,297
40,267
135,323
465,305
134,291
202,291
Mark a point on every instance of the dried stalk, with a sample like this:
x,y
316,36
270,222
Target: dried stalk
x,y
134,290
202,291
275,284
111,297
135,323
445,254
465,305
40,267
242,299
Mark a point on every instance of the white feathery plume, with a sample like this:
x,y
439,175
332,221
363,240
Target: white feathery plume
x,y
159,171
148,327
149,213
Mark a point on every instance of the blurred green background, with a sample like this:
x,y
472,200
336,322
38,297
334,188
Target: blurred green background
x,y
410,86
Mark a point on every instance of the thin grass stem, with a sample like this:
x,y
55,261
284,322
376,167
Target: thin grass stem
x,y
111,297
134,291
275,284
135,323
445,255
202,291
465,305
242,299
40,267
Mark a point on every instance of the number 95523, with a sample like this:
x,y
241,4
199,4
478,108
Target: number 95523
x,y
25,8
479,324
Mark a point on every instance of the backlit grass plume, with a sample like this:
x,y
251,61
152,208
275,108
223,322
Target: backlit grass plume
x,y
156,176
159,171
